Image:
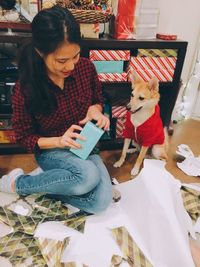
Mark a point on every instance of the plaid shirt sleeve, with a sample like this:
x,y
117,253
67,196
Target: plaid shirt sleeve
x,y
22,121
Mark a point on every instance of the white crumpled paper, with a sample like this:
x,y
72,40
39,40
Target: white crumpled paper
x,y
191,164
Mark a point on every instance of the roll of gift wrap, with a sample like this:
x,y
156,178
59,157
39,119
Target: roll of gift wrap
x,y
109,55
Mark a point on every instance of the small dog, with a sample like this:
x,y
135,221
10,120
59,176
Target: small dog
x,y
143,123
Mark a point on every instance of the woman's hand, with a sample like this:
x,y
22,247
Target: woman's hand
x,y
67,139
95,113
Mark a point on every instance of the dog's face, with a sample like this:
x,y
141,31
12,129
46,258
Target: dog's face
x,y
145,95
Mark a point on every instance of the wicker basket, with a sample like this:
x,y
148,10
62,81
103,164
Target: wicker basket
x,y
91,16
86,13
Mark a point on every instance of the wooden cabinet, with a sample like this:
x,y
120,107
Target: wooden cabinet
x,y
168,89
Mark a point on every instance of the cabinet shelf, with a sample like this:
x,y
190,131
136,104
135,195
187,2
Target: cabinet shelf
x,y
168,90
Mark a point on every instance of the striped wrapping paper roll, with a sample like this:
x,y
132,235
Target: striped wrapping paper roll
x,y
148,67
154,62
109,55
113,77
157,52
119,113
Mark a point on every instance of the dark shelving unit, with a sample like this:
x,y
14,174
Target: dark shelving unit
x,y
168,90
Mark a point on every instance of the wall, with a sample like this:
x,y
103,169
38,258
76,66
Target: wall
x,y
182,17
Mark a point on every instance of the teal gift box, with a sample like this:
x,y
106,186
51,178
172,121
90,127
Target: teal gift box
x,y
109,66
92,133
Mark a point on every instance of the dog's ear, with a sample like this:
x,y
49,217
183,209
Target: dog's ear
x,y
134,77
153,84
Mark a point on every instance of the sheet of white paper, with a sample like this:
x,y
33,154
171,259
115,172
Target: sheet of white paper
x,y
96,247
195,186
54,230
160,224
197,226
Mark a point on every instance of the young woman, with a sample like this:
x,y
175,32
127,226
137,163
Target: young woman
x,y
57,92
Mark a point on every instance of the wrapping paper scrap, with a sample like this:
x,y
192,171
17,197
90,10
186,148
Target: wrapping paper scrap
x,y
77,223
18,222
73,264
191,201
52,250
130,249
18,247
191,164
46,210
116,261
184,151
51,207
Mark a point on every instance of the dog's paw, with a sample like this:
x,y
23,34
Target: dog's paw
x,y
135,170
118,163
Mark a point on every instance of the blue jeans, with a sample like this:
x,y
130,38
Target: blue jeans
x,y
84,184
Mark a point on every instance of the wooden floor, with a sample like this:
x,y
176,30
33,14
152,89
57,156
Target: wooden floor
x,y
186,132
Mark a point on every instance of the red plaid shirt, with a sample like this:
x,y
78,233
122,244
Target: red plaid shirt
x,y
82,89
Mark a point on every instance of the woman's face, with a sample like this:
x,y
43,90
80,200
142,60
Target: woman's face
x,y
62,61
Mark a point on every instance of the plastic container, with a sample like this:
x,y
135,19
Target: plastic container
x,y
145,31
148,16
149,4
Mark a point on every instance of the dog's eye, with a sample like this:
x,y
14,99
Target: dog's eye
x,y
141,98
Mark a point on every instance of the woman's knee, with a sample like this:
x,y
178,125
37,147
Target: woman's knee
x,y
86,179
101,200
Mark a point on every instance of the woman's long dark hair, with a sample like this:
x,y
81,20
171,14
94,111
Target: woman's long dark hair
x,y
50,27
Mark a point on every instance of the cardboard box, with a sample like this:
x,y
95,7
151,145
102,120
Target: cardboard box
x,y
89,30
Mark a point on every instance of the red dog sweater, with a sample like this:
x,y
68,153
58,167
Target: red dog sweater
x,y
147,134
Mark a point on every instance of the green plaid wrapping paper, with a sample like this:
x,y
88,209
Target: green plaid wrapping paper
x,y
25,224
191,201
116,261
17,247
157,53
129,248
28,224
21,244
76,222
50,206
52,250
